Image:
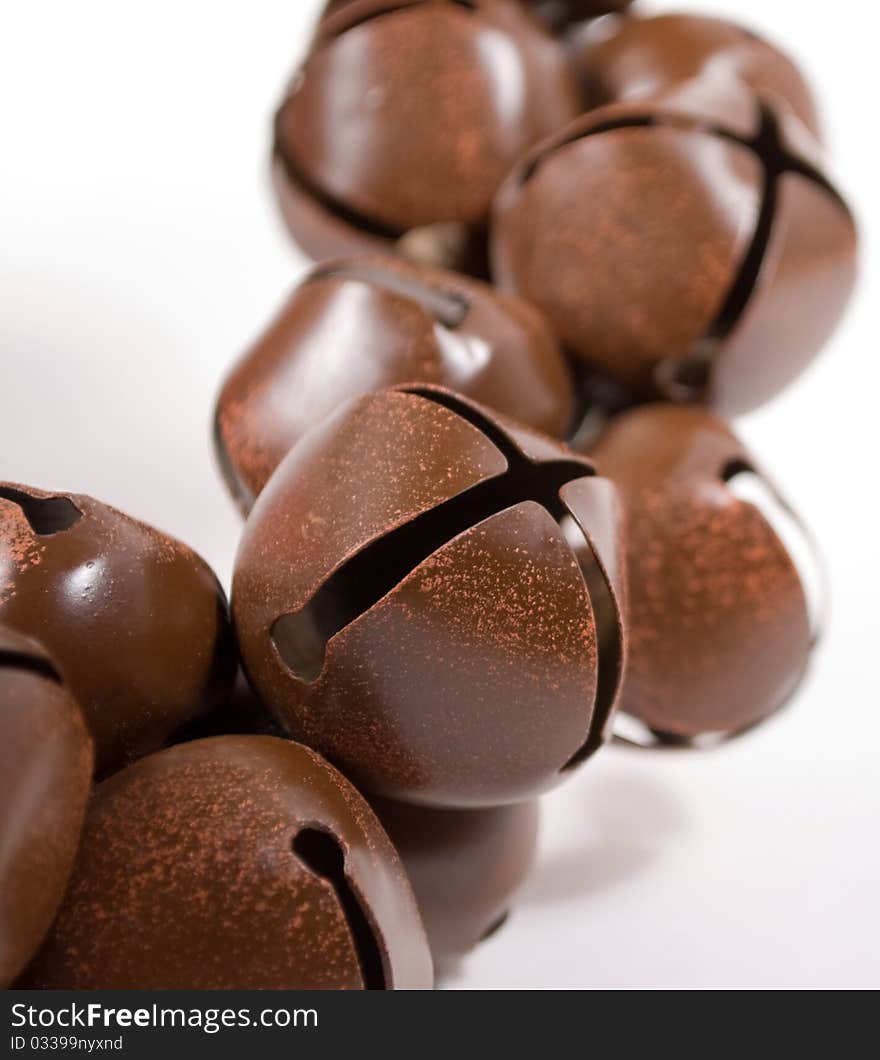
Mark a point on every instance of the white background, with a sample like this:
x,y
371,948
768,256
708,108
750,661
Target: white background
x,y
140,251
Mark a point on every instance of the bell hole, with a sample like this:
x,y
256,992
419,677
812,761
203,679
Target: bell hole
x,y
45,515
588,428
342,212
450,245
768,149
301,638
33,664
686,379
323,856
640,121
447,307
776,160
749,486
633,732
609,649
495,926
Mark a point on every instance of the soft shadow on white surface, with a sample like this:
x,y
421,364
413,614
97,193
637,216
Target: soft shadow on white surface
x,y
601,833
614,832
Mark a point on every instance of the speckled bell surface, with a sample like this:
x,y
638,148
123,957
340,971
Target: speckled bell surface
x,y
428,595
678,256
641,58
725,587
137,621
359,325
404,119
239,862
45,774
465,867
